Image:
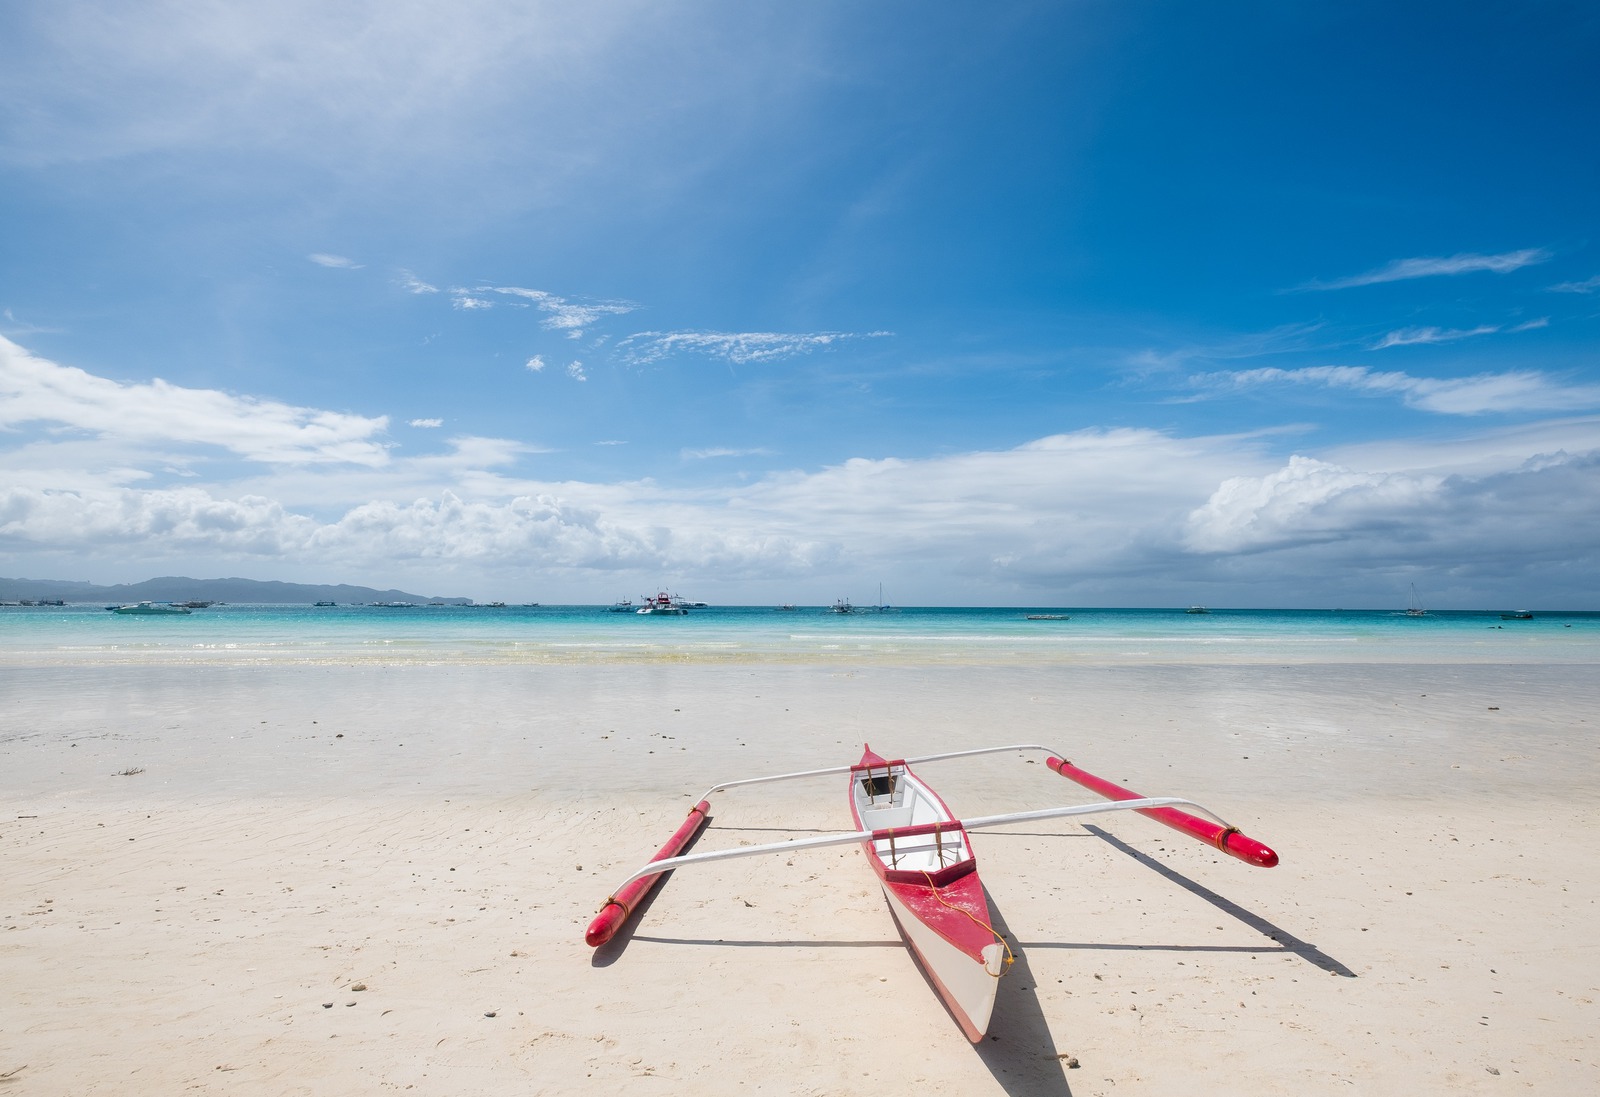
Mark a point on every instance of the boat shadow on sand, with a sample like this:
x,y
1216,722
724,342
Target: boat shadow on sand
x,y
1286,941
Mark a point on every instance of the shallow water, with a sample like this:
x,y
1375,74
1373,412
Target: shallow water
x,y
255,634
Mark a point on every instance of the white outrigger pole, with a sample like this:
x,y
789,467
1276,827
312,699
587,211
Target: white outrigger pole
x,y
667,864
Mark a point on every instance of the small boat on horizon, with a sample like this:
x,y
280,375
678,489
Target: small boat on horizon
x,y
150,608
663,605
1197,609
1414,607
1520,615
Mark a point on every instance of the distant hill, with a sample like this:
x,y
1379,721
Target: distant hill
x,y
177,588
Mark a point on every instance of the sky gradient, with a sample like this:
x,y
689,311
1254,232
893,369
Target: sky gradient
x,y
1071,303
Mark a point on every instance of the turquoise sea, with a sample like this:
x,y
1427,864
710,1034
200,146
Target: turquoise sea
x,y
365,634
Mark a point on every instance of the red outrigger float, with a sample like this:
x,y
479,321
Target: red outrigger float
x,y
923,857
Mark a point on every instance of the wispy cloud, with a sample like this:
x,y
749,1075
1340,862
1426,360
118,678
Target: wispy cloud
x,y
1410,337
412,284
1285,338
427,423
467,303
1588,285
13,326
334,262
534,364
718,451
1517,390
563,315
738,347
1401,270
575,371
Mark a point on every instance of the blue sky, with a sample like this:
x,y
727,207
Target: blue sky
x,y
1073,303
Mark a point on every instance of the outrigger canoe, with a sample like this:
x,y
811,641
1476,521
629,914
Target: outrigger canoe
x,y
923,857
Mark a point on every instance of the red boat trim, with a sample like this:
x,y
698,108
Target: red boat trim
x,y
1229,840
619,907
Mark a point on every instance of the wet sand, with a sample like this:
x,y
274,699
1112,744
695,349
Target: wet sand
x,y
440,836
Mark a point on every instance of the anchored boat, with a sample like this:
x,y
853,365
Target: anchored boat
x,y
922,856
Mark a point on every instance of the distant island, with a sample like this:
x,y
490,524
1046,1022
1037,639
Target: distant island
x,y
178,588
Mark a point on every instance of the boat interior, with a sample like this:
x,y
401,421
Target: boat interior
x,y
890,797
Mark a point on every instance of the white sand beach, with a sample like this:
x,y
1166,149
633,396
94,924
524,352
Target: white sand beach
x,y
375,879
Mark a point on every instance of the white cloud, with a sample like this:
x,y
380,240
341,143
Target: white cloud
x,y
738,347
1514,391
412,284
36,390
1491,527
429,423
1588,285
718,451
561,314
534,364
335,262
575,371
1305,501
466,302
1409,337
1404,269
1123,515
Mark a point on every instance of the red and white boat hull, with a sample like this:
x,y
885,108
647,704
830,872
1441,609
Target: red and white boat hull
x,y
931,882
967,984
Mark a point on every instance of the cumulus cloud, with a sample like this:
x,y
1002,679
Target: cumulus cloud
x,y
1306,500
1517,390
137,521
1492,526
738,347
534,364
36,390
1404,269
335,262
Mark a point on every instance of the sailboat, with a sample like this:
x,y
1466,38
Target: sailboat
x,y
1414,609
